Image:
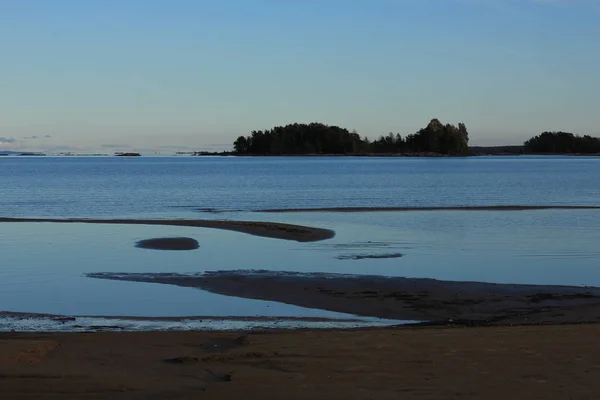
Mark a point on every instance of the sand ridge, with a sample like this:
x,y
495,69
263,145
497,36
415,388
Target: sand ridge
x,y
273,230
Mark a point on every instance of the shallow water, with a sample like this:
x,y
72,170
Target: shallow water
x,y
43,264
534,246
558,247
43,267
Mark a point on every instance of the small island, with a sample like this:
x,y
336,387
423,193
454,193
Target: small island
x,y
127,154
320,139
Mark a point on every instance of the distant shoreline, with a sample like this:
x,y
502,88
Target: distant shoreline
x,y
405,209
457,208
362,155
393,155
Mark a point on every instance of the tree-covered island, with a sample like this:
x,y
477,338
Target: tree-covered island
x,y
562,143
318,138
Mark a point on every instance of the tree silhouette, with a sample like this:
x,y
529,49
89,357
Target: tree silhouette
x,y
318,138
562,143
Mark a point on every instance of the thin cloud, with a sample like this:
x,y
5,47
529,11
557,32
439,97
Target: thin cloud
x,y
36,137
217,146
7,140
112,146
62,147
171,147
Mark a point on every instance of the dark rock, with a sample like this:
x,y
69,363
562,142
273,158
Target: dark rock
x,y
177,243
368,256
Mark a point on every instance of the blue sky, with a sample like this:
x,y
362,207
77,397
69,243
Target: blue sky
x,y
104,75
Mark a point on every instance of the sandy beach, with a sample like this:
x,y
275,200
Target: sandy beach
x,y
550,362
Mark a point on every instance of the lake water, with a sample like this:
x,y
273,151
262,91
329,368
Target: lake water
x,y
110,186
42,265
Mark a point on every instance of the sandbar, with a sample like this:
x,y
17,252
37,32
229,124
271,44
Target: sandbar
x,y
451,208
274,230
435,301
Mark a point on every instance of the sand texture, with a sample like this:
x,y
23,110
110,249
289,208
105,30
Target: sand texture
x,y
549,362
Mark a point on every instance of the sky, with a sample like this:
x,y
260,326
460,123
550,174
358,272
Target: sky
x,y
169,75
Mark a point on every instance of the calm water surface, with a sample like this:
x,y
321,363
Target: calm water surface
x,y
42,266
109,186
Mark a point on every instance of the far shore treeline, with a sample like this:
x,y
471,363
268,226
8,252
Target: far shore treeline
x,y
435,139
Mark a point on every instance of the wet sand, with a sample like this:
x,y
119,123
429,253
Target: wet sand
x,y
458,208
533,362
31,322
272,230
462,303
59,317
